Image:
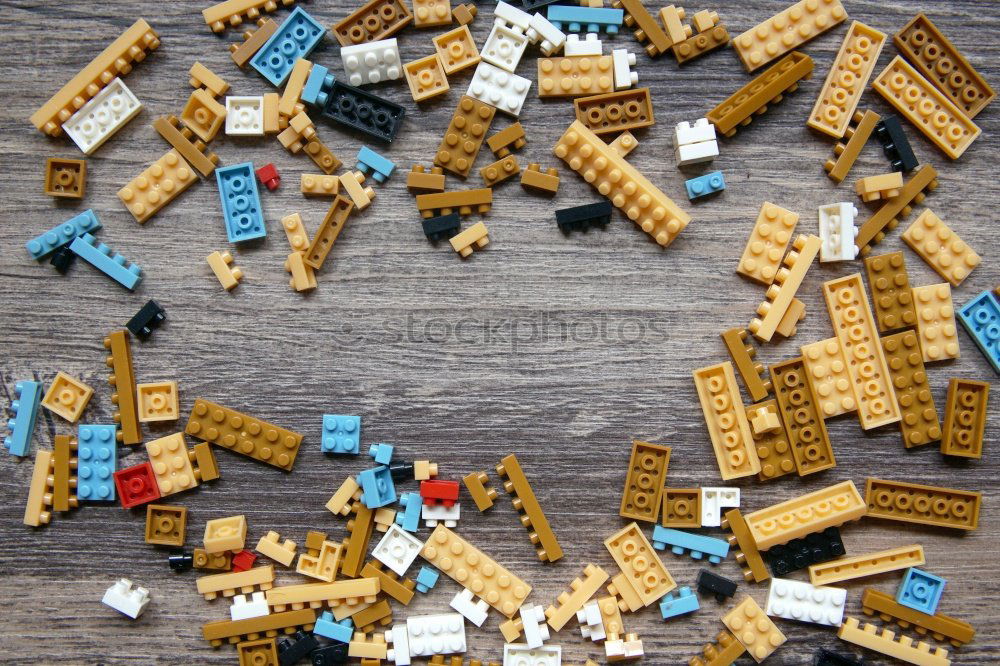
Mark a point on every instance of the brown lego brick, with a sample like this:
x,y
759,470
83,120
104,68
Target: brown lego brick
x,y
421,180
700,44
726,421
965,418
400,589
534,179
647,470
234,631
203,115
501,170
374,20
165,525
464,202
300,135
212,561
456,49
940,626
321,563
919,423
243,434
886,218
114,61
464,14
615,111
846,152
742,353
328,232
380,612
464,136
235,12
261,652
758,95
64,473
786,30
723,652
477,483
779,296
769,238
426,78
681,507
67,397
848,77
253,40
641,567
227,533
122,382
508,139
771,440
532,517
925,505
645,28
193,152
314,541
813,512
203,77
356,545
890,285
162,182
37,507
65,178
804,424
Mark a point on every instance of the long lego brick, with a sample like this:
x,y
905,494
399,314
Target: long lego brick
x,y
827,370
848,77
36,509
943,64
464,136
924,505
573,76
63,465
159,184
582,590
827,507
740,107
930,110
647,470
190,147
726,421
372,21
723,652
642,569
918,421
750,371
698,545
231,582
333,594
243,434
941,248
532,516
846,153
873,229
234,631
942,627
253,40
891,296
745,547
787,30
621,183
787,280
328,232
869,564
462,201
771,441
645,28
807,434
114,61
769,238
901,648
474,570
981,319
28,395
615,111
356,545
122,380
63,234
235,12
112,264
399,589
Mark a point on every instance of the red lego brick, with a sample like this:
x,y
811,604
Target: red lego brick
x,y
439,492
136,485
268,175
243,560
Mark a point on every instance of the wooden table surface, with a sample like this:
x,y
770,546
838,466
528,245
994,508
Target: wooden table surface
x,y
560,349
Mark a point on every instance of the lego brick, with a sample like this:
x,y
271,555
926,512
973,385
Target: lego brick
x,y
431,13
869,564
126,598
643,26
590,46
895,145
837,231
828,507
456,50
261,652
504,47
575,76
40,492
420,179
448,515
532,178
234,12
718,586
887,643
965,418
360,110
981,319
622,62
366,618
570,603
941,627
742,354
700,44
254,39
694,144
65,178
532,517
585,19
827,369
240,202
101,257
498,88
615,111
96,462
233,631
63,234
543,32
157,402
302,276
477,483
243,561
583,217
162,182
212,561
681,507
381,453
499,171
290,96
767,243
149,317
726,421
228,276
370,163
920,591
223,534
641,567
647,470
435,634
696,545
67,397
672,18
941,248
203,115
301,135
771,440
787,30
426,78
702,186
936,326
782,292
679,603
295,231
243,434
397,587
345,592
397,549
328,232
723,652
924,505
919,422
704,20
475,236
341,631
27,396
295,38
873,230
283,552
426,579
136,485
165,524
62,259
753,629
193,152
245,116
848,77
319,185
439,492
627,648
845,153
203,77
891,295
356,544
511,17
317,87
273,124
934,56
756,96
204,462
464,14
171,464
713,500
442,227
473,611
63,474
464,202
883,186
519,653
795,600
375,20
800,553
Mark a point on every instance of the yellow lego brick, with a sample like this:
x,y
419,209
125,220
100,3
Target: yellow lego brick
x,y
243,434
398,587
293,87
162,182
583,590
930,110
361,646
343,592
647,470
476,236
37,508
426,78
203,115
303,278
887,643
540,532
768,241
122,381
573,76
855,327
477,483
787,30
172,465
384,518
228,276
431,13
295,231
625,595
923,505
848,77
611,616
341,500
475,571
283,552
812,512
322,566
919,423
67,397
456,49
753,629
726,421
883,186
786,283
225,534
360,196
235,12
212,562
424,469
272,120
228,584
824,361
671,17
936,322
235,631
742,353
641,566
941,248
203,77
157,402
873,230
869,564
319,185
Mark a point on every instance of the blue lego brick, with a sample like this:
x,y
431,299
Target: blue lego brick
x,y
702,186
318,85
372,164
409,517
585,19
697,545
361,110
103,259
63,234
326,627
22,426
427,578
682,602
97,461
240,202
377,488
920,590
981,318
295,38
381,452
341,434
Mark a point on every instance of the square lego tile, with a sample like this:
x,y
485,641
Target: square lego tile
x,y
165,525
920,590
341,434
157,402
67,397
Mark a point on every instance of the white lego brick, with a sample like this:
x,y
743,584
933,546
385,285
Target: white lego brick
x,y
125,598
519,654
504,47
439,513
100,118
472,609
623,62
619,649
399,653
695,153
435,634
591,621
796,600
372,62
536,631
397,549
685,133
837,231
548,37
245,116
511,17
498,88
246,606
713,500
590,46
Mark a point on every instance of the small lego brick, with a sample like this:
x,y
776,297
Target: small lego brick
x,y
753,629
241,207
681,507
37,509
100,119
472,610
887,643
427,578
67,397
464,136
523,497
225,534
126,598
591,624
869,564
165,525
65,178
919,422
193,152
288,103
112,264
696,143
302,276
381,453
431,13
567,605
534,179
397,549
506,140
768,241
499,88
511,17
157,402
203,115
627,648
895,145
181,562
295,38
439,492
395,586
320,563
827,507
203,77
372,164
409,518
301,135
837,231
936,326
245,116
672,18
584,217
212,561
122,380
341,631
261,652
273,124
519,653
718,586
228,276
149,316
781,294
362,111
704,20
317,87
883,186
341,434
421,180
27,396
475,237
942,627
615,111
723,652
795,600
858,131
283,552
981,319
503,169
920,591
756,96
234,631
293,649
585,19
136,485
162,182
848,77
328,232
447,515
235,12
678,603
375,20
172,465
941,248
576,76
700,44
253,40
464,14
456,49
695,545
645,28
897,208
590,46
647,470
891,295
504,47
374,648
965,418
742,353
923,505
62,259
372,62
319,185
444,226
800,553
545,34
726,421
63,474
642,570
335,654
435,634
385,517
356,544
702,186
713,500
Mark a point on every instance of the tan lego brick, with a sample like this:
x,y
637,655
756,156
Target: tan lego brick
x,y
848,77
37,507
499,171
573,76
261,652
172,465
165,525
374,20
431,13
315,595
243,434
65,178
672,18
795,313
122,381
228,276
787,30
235,12
941,248
615,111
753,629
786,284
253,40
768,241
647,470
704,20
319,185
464,136
887,643
356,545
936,325
845,153
225,534
212,561
645,28
744,546
203,115
283,553
426,78
365,647
827,368
399,588
742,353
641,567
965,418
64,465
700,44
348,491
882,186
891,295
534,179
869,564
611,616
234,582
203,77
464,202
723,652
681,507
234,631
204,461
919,422
873,229
192,152
924,505
293,87
424,469
540,532
67,397
314,541
456,49
771,440
827,507
626,596
582,590
328,232
302,276
758,95
475,237
940,626
624,144
377,614
322,566
800,409
273,123
384,518
295,231
162,182
506,140
477,483
421,180
726,421
157,402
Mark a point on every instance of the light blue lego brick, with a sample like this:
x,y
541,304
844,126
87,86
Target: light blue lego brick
x,y
981,318
317,88
372,164
680,603
240,202
295,38
22,426
64,233
585,19
697,545
326,627
427,578
702,186
381,452
341,434
409,517
110,263
920,590
377,488
97,461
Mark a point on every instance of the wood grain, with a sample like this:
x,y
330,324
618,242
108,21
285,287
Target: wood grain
x,y
560,349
